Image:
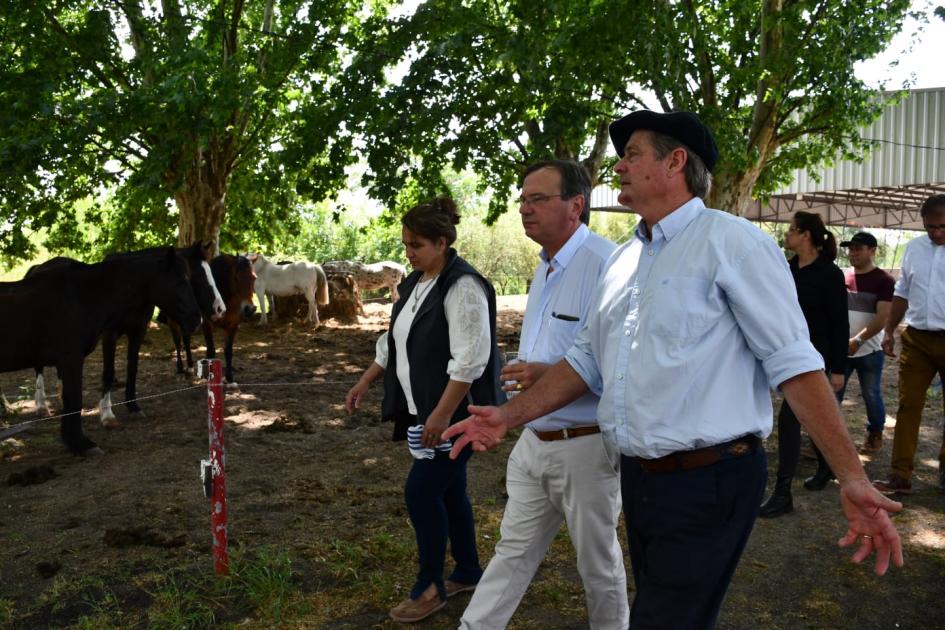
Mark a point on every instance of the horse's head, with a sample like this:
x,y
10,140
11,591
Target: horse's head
x,y
244,283
205,288
172,290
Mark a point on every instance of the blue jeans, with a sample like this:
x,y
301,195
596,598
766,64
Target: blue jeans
x,y
439,509
869,369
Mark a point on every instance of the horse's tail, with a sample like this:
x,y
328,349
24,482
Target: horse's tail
x,y
322,291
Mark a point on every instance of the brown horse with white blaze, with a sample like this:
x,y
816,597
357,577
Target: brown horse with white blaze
x,y
235,279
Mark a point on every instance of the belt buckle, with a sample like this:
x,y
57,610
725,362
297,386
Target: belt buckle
x,y
566,434
738,448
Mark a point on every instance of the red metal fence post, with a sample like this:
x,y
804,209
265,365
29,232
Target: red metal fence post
x,y
217,463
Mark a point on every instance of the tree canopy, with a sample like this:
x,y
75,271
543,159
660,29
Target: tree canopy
x,y
192,115
223,107
495,86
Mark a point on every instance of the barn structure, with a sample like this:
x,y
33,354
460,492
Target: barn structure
x,y
883,191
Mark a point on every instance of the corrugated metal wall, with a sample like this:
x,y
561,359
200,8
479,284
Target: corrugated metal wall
x,y
911,150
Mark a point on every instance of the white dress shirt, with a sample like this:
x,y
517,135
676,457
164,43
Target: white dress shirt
x,y
557,308
467,315
922,283
688,331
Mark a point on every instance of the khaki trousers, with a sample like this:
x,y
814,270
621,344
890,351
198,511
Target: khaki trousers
x,y
575,481
922,356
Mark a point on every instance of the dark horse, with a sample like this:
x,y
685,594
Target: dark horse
x,y
135,325
235,278
56,318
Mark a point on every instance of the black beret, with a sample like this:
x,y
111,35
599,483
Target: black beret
x,y
684,126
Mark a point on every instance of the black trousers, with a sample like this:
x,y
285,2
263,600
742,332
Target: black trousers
x,y
686,532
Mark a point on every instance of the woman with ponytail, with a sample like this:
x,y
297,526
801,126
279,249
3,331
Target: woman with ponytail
x,y
822,293
438,356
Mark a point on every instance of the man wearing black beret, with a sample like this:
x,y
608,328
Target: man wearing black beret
x,y
695,318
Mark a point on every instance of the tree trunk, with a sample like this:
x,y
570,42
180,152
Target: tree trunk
x,y
200,204
731,192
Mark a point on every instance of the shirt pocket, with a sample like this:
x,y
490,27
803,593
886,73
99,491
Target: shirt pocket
x,y
561,335
679,309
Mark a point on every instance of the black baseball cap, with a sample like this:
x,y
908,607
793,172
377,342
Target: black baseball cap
x,y
861,238
683,126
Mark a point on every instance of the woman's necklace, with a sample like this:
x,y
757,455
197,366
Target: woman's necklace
x,y
418,293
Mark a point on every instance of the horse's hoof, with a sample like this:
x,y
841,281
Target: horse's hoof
x,y
93,452
232,385
111,423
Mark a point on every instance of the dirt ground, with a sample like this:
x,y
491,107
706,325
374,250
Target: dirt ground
x,y
326,488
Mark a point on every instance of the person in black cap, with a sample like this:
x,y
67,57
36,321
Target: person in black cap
x,y
869,297
693,319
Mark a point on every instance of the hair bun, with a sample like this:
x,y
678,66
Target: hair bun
x,y
448,207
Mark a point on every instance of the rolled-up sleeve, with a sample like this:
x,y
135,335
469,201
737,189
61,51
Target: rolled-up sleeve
x,y
467,314
380,351
581,359
901,289
763,300
581,356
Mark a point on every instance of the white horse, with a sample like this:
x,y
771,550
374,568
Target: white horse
x,y
299,277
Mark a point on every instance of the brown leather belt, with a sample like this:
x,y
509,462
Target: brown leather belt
x,y
701,457
566,434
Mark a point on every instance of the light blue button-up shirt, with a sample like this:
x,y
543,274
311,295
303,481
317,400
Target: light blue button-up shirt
x,y
688,331
557,308
922,283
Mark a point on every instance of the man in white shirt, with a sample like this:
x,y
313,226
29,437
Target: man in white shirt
x,y
693,320
920,299
560,470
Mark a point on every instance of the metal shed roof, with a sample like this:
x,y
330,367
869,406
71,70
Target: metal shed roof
x,y
885,190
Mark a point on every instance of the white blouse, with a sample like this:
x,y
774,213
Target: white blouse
x,y
467,315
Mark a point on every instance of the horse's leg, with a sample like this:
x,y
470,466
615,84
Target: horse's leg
x,y
190,355
109,341
70,378
261,298
135,338
40,394
176,335
271,299
228,354
312,308
394,296
208,339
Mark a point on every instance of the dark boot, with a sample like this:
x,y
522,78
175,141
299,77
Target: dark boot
x,y
780,502
820,479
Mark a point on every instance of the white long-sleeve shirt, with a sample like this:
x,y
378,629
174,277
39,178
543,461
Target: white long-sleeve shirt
x,y
467,315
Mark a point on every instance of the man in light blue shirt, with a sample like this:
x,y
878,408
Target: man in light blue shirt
x,y
694,319
561,470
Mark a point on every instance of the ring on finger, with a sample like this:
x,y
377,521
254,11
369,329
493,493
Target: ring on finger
x,y
519,387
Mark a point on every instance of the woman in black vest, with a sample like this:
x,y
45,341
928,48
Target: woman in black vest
x,y
438,356
822,294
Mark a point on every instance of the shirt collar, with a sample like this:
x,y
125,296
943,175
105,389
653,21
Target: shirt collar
x,y
569,249
674,222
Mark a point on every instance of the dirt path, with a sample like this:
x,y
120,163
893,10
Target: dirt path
x,y
305,478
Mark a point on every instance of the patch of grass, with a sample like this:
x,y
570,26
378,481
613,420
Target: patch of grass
x,y
106,612
178,603
266,582
7,612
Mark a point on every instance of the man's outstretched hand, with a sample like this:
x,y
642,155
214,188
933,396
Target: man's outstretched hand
x,y
484,429
867,512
